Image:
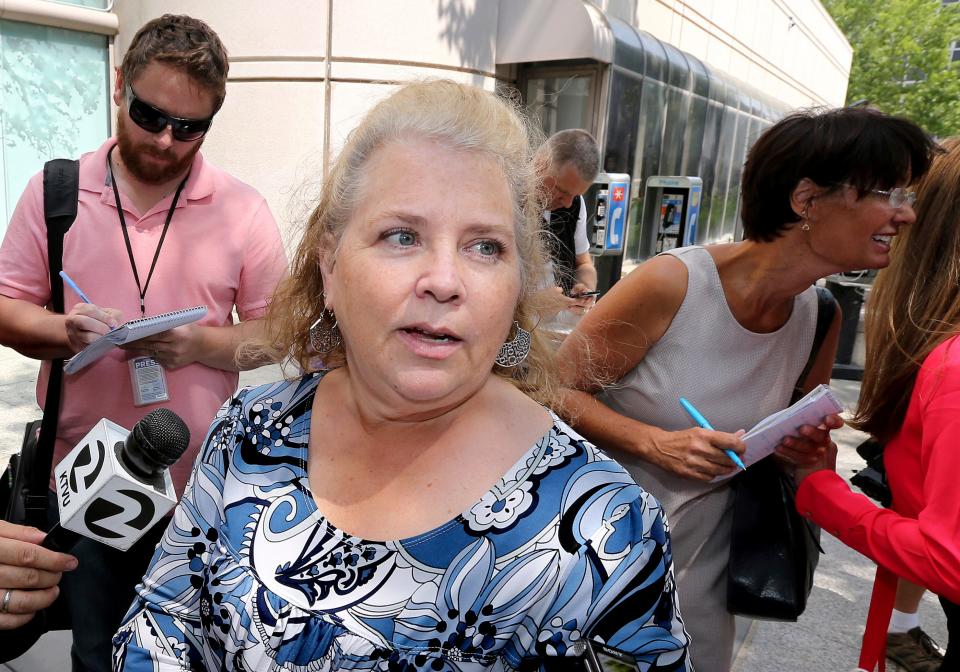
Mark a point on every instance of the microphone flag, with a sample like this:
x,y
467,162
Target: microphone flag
x,y
99,498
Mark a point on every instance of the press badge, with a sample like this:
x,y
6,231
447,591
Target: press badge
x,y
148,381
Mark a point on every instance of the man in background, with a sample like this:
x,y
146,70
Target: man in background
x,y
567,163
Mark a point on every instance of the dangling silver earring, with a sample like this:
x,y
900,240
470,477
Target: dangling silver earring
x,y
516,349
325,339
805,226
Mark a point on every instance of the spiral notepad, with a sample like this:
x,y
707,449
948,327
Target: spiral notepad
x,y
132,331
767,434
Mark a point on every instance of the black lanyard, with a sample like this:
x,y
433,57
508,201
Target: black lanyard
x,y
126,236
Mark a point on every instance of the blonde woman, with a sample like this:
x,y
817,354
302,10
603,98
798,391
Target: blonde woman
x,y
413,506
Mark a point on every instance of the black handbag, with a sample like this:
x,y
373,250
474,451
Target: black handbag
x,y
773,549
24,497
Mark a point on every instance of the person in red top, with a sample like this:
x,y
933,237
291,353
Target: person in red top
x,y
910,399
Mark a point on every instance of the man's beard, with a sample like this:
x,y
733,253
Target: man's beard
x,y
133,156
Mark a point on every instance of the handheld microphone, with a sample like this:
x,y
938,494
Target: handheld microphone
x,y
114,485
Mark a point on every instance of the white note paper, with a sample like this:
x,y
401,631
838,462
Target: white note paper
x,y
132,331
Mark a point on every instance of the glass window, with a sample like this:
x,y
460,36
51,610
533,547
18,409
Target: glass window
x,y
911,73
723,189
652,107
623,140
678,108
621,146
560,102
699,76
93,4
731,210
627,47
655,63
54,101
693,136
754,129
718,87
709,162
679,74
955,51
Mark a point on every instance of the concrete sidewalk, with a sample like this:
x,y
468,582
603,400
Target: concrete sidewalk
x,y
826,638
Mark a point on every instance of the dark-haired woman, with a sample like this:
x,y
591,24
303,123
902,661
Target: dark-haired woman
x,y
731,327
910,399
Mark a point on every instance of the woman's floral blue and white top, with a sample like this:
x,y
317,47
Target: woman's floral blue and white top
x,y
250,576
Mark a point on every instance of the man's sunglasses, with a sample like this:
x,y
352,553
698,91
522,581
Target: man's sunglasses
x,y
152,120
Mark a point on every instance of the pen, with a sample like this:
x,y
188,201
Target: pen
x,y
702,421
73,286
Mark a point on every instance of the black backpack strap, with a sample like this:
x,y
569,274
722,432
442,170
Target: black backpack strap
x,y
61,189
826,309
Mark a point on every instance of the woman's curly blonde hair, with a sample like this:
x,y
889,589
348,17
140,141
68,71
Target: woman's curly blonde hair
x,y
463,118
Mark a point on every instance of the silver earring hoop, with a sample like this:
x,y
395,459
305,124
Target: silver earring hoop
x,y
805,226
516,349
323,338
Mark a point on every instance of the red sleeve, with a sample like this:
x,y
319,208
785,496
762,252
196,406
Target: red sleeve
x,y
926,550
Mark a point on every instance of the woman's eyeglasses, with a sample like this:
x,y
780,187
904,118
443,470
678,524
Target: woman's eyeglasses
x,y
152,120
896,197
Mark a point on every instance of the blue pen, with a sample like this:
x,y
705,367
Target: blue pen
x,y
702,421
73,286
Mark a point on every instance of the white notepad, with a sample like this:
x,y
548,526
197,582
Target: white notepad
x,y
767,434
132,331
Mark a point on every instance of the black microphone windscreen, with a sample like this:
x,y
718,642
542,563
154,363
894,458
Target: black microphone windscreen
x,y
158,440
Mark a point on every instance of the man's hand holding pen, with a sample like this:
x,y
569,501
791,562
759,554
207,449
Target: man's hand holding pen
x,y
86,322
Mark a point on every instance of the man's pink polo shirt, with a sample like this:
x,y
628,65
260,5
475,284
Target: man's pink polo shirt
x,y
222,250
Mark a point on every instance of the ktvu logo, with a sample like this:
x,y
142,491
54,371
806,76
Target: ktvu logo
x,y
137,507
102,508
68,484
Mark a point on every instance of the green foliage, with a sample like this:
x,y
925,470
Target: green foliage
x,y
895,42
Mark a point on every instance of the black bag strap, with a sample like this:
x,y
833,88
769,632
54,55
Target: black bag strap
x,y
61,190
826,309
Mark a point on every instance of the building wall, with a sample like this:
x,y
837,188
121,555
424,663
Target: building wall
x,y
304,71
790,49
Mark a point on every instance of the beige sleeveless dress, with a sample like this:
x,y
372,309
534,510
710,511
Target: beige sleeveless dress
x,y
735,377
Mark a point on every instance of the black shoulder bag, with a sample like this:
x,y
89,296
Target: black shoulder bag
x,y
773,549
26,482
